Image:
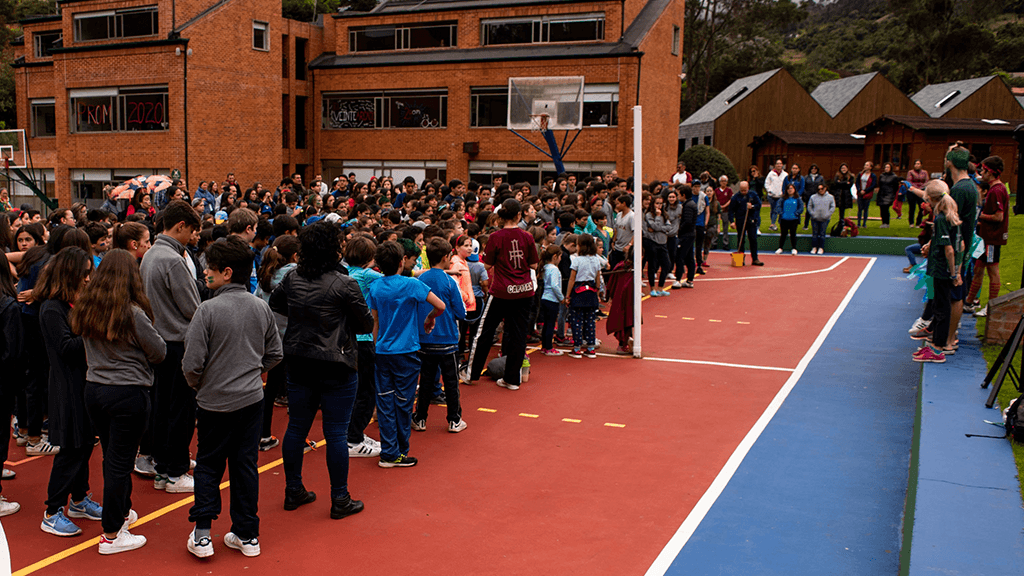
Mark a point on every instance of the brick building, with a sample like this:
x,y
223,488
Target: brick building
x,y
112,88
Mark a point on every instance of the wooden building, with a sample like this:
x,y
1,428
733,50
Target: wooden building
x,y
855,101
904,139
986,97
825,150
748,108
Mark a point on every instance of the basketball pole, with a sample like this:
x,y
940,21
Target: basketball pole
x,y
638,190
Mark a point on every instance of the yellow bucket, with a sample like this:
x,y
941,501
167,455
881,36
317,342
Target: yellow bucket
x,y
737,258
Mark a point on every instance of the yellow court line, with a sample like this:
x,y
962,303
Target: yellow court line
x,y
714,320
738,322
525,415
492,410
685,318
657,316
572,420
613,425
147,518
22,461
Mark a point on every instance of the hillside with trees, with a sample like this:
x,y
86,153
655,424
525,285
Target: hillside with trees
x,y
912,42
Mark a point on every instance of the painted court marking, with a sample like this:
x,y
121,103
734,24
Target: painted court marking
x,y
703,362
696,516
790,275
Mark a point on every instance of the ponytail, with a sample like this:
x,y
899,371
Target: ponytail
x,y
280,254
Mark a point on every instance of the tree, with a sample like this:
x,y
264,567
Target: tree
x,y
700,158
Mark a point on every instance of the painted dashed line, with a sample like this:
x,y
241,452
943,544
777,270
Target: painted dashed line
x,y
491,410
525,415
567,420
738,322
571,420
614,425
709,320
685,318
657,316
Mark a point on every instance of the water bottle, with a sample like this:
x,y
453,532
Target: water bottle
x,y
524,373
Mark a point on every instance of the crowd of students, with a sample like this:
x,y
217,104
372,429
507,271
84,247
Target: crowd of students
x,y
966,224
138,325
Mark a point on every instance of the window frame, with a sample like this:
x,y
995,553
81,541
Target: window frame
x,y
39,103
676,37
602,92
475,92
402,34
266,35
119,111
37,41
115,22
540,27
382,109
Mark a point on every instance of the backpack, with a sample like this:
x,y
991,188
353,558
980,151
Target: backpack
x,y
850,228
837,229
1015,419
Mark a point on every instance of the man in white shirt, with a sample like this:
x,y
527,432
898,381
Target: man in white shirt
x,y
773,185
682,176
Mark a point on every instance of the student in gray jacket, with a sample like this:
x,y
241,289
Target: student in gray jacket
x,y
114,318
233,339
173,293
820,206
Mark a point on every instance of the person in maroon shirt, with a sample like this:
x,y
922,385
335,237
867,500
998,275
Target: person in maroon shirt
x,y
510,257
917,177
993,224
724,195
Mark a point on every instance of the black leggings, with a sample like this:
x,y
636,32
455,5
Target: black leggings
x,y
788,227
657,261
685,258
515,313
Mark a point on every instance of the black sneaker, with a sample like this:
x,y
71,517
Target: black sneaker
x,y
342,507
400,462
757,263
268,443
293,500
439,400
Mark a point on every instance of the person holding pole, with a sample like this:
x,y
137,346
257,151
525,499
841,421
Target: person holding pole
x,y
745,206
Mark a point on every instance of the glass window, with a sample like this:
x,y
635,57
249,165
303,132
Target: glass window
x,y
128,23
372,38
423,109
260,36
300,58
601,105
488,106
403,37
569,28
675,40
44,119
119,110
284,56
442,35
44,41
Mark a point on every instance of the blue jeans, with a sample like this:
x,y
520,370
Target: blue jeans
x,y
397,375
910,251
331,388
818,230
776,204
863,204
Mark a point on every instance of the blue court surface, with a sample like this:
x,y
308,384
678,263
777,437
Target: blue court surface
x,y
823,489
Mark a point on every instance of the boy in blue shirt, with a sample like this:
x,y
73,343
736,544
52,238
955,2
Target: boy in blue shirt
x,y
394,301
440,347
359,254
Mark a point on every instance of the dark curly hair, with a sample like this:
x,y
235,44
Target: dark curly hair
x,y
319,250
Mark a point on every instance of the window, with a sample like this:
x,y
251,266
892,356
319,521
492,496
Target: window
x,y
403,37
300,58
284,56
260,36
285,120
694,141
391,109
707,140
488,107
568,28
300,122
601,105
44,118
675,40
132,109
44,41
981,151
128,23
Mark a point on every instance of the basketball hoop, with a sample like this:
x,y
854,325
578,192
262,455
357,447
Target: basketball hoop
x,y
539,122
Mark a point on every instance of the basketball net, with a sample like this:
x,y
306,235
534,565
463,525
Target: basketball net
x,y
538,122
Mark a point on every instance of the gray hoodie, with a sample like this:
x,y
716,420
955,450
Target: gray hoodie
x,y
821,207
233,338
171,288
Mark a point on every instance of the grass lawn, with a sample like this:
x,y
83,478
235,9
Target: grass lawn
x,y
1010,266
897,228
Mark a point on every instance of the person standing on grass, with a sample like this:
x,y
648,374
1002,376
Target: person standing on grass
x,y
811,183
888,192
840,188
993,227
325,311
944,261
115,320
917,177
773,185
232,340
59,285
965,194
789,218
172,290
820,208
866,182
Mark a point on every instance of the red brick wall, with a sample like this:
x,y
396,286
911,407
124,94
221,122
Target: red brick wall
x,y
660,89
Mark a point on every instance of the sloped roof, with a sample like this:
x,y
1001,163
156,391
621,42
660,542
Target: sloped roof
x,y
729,97
644,21
834,95
927,124
949,94
810,138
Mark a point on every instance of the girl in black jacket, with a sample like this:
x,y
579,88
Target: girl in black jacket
x,y
70,428
11,338
888,189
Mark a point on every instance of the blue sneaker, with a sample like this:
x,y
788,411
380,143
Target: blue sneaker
x,y
59,525
86,509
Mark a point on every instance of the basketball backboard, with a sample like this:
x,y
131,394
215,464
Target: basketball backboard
x,y
13,150
550,102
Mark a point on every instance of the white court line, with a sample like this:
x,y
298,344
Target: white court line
x,y
791,274
689,526
704,362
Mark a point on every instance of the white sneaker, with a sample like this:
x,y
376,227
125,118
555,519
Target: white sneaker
x,y
779,251
793,252
363,450
671,276
501,382
677,285
8,508
145,466
130,519
184,484
41,448
919,324
981,313
419,425
464,376
248,547
370,441
8,474
456,427
201,549
124,542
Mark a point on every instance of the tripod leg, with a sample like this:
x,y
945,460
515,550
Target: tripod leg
x,y
1001,357
998,383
